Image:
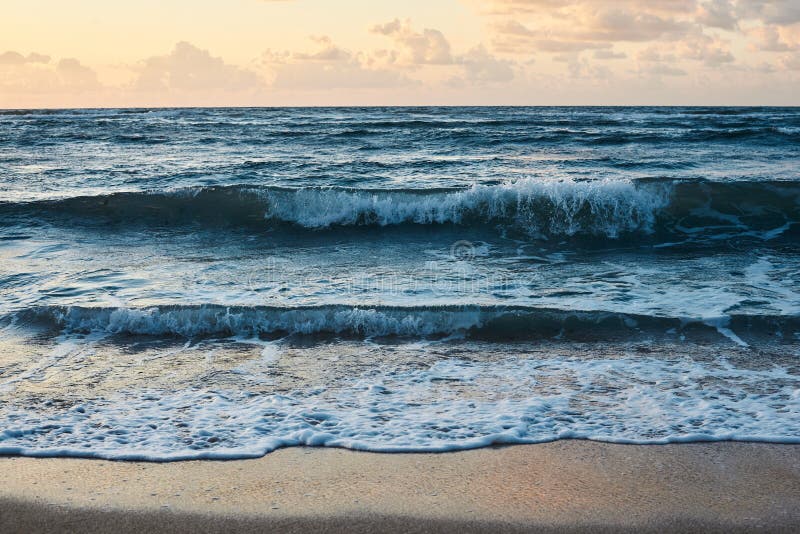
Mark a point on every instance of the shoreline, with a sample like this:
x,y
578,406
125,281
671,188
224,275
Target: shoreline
x,y
567,485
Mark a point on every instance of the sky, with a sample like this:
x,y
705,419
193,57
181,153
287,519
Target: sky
x,y
143,53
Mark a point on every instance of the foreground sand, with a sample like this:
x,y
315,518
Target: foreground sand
x,y
567,485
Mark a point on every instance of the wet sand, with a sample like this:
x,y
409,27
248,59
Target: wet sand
x,y
561,486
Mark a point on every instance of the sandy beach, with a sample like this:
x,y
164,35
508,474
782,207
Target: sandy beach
x,y
560,486
466,266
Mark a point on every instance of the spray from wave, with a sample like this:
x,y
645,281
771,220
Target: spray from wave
x,y
501,323
541,209
601,207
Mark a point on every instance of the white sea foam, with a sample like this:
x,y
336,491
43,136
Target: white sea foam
x,y
450,405
552,207
497,322
240,321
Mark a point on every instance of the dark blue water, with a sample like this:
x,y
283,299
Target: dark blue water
x,y
418,278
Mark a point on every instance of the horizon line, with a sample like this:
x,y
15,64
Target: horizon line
x,y
397,106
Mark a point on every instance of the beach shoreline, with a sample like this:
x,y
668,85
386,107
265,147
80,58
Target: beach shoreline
x,y
568,485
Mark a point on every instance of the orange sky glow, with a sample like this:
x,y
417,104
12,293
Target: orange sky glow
x,y
95,53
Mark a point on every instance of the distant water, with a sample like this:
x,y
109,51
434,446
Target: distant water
x,y
217,283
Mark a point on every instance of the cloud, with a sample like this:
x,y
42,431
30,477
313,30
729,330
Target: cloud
x,y
76,76
349,75
769,39
188,68
660,69
669,6
328,52
781,12
33,57
482,67
722,14
791,62
709,50
331,67
513,27
609,54
12,58
515,7
552,45
15,58
655,63
587,71
573,26
514,37
428,47
684,34
431,47
580,47
718,14
34,75
654,54
622,25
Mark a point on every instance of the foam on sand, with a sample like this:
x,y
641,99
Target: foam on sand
x,y
449,405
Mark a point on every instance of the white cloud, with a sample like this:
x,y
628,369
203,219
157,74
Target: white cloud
x,y
482,67
782,12
791,62
718,14
609,54
15,58
35,75
711,51
76,76
623,25
514,37
661,69
188,68
428,47
770,39
553,45
330,67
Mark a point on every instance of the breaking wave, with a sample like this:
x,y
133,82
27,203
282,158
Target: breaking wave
x,y
500,323
541,209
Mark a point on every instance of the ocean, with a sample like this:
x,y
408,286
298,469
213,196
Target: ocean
x,y
219,283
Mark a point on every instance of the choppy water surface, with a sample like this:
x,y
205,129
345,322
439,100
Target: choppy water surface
x,y
221,282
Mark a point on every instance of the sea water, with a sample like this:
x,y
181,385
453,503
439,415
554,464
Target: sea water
x,y
218,283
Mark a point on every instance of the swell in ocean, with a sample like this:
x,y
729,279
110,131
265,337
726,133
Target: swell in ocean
x,y
497,323
608,209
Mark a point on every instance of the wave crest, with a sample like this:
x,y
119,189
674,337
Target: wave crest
x,y
480,322
540,208
608,208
